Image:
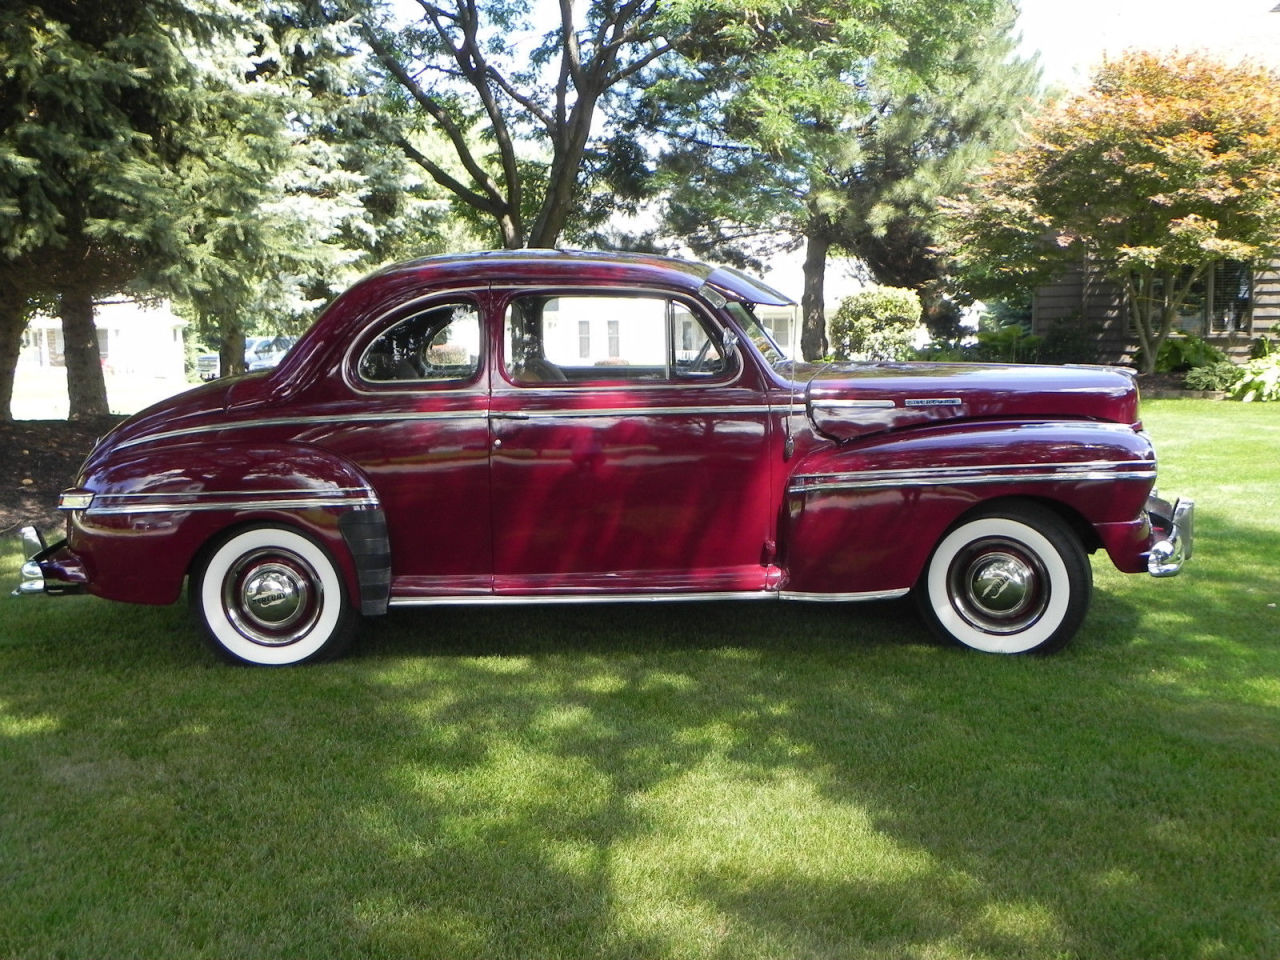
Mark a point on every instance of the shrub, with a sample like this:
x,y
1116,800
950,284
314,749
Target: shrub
x,y
1182,352
1222,375
879,323
1259,380
1008,344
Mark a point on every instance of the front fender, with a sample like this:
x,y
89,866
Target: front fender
x,y
154,509
863,517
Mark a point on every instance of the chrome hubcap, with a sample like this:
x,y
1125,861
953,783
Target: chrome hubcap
x,y
998,586
272,597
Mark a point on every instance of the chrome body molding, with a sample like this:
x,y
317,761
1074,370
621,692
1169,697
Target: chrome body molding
x,y
843,597
702,596
838,404
639,410
959,476
503,599
109,504
301,422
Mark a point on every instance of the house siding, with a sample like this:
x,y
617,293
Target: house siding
x,y
1084,298
1080,296
1266,304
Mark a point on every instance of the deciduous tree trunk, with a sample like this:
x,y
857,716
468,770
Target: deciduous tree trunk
x,y
13,320
813,328
86,386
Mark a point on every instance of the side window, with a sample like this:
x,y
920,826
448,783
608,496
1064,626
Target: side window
x,y
438,345
607,339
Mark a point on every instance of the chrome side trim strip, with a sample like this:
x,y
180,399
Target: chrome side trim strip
x,y
949,476
306,421
844,597
504,599
855,404
232,494
752,409
199,503
559,412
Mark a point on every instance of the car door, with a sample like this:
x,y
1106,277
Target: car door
x,y
628,448
417,424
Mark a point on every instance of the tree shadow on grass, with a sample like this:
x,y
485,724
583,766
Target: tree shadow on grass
x,y
717,780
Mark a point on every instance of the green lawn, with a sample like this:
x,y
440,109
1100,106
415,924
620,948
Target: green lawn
x,y
734,781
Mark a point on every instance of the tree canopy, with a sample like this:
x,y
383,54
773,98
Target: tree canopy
x,y
504,116
93,103
1165,166
834,124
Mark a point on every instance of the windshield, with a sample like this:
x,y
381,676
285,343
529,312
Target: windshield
x,y
746,318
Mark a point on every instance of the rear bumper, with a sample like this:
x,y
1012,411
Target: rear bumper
x,y
1173,535
51,569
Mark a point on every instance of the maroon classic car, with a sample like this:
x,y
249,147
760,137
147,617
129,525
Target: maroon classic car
x,y
556,427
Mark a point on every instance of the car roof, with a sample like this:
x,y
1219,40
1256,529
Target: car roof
x,y
497,266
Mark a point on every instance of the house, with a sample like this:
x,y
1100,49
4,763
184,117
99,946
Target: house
x,y
1231,308
143,360
132,339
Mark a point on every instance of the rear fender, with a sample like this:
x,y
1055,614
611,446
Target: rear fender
x,y
863,517
155,510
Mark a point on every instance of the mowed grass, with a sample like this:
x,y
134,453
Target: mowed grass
x,y
712,780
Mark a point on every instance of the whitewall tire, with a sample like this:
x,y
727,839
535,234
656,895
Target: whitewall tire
x,y
1007,580
273,597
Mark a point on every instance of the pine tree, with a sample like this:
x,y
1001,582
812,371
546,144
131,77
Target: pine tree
x,y
833,125
93,100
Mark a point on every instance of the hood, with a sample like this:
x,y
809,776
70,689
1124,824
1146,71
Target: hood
x,y
854,400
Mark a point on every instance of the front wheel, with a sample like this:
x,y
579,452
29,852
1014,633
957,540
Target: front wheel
x,y
1010,580
271,596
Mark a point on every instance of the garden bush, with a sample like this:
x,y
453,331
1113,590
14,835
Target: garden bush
x,y
1259,380
1183,352
1222,375
879,323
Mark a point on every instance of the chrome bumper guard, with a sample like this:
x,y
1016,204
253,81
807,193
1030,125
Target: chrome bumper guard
x,y
33,578
1174,525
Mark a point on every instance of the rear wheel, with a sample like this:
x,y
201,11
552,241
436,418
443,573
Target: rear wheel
x,y
1008,580
272,596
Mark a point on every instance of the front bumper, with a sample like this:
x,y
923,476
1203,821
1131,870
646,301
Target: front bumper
x,y
51,569
1173,534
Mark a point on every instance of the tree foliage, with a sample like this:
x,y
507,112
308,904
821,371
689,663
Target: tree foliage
x,y
1166,165
92,109
288,194
504,117
834,124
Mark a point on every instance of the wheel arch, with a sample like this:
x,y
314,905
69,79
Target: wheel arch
x,y
866,516
157,512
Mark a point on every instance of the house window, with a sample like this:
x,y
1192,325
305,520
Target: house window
x,y
615,349
1221,302
584,339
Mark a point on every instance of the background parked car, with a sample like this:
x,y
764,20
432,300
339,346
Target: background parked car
x,y
260,353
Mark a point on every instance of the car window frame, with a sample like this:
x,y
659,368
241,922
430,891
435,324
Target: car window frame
x,y
402,313
719,329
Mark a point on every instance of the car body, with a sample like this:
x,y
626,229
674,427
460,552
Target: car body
x,y
518,427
